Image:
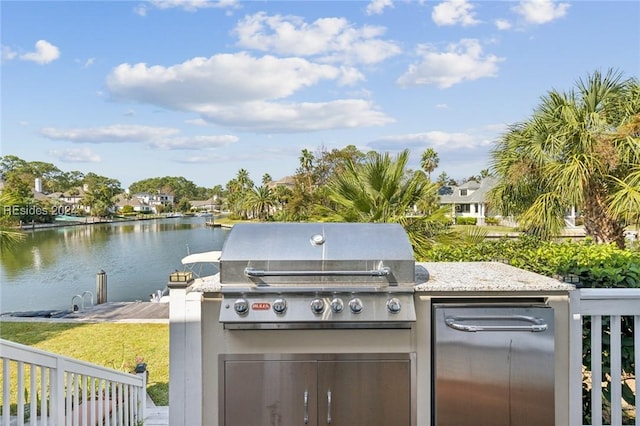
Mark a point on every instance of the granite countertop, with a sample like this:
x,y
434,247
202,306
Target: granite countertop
x,y
437,277
482,277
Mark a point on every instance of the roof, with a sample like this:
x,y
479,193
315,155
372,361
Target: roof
x,y
477,192
288,181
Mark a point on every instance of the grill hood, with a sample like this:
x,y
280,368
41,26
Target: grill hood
x,y
299,254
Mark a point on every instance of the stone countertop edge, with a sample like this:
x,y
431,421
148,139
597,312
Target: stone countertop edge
x,y
439,277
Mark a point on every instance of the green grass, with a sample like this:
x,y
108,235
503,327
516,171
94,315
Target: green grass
x,y
107,344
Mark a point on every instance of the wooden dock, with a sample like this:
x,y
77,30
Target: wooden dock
x,y
124,312
132,312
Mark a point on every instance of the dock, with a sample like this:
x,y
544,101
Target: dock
x,y
122,312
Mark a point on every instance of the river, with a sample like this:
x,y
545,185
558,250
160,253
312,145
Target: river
x,y
50,266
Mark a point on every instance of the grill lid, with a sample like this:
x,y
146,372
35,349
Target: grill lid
x,y
317,254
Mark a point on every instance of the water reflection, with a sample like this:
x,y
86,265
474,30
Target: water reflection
x,y
51,266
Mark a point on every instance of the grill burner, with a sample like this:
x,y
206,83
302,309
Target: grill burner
x,y
317,275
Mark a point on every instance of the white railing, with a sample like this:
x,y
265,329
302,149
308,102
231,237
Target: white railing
x,y
610,319
41,388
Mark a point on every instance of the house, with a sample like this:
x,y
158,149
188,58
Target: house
x,y
468,199
207,205
155,199
138,205
287,181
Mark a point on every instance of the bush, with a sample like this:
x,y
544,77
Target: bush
x,y
594,265
466,220
492,221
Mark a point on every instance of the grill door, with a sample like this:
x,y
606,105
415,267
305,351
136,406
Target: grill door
x,y
270,393
364,393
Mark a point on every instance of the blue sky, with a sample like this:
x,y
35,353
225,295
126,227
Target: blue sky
x,y
201,89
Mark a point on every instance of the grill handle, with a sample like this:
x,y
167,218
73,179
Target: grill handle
x,y
382,272
534,324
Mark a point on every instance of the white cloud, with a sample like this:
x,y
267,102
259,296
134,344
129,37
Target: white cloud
x,y
45,53
463,61
196,142
117,133
376,7
165,138
75,155
328,39
502,24
435,139
197,122
244,92
541,11
8,54
187,5
297,117
223,78
452,12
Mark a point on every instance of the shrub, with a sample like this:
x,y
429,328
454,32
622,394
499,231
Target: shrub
x,y
594,265
466,220
492,221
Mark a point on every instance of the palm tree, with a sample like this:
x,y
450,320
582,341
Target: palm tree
x,y
261,201
306,166
243,180
8,236
379,190
576,150
429,161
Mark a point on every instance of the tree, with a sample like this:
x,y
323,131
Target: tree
x,y
306,168
580,148
260,201
379,190
243,180
177,186
8,236
100,194
266,178
429,161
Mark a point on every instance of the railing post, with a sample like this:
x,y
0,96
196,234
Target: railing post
x,y
142,409
57,393
575,359
185,351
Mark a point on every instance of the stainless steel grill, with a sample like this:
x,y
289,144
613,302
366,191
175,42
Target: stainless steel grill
x,y
317,275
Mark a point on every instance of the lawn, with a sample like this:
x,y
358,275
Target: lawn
x,y
107,344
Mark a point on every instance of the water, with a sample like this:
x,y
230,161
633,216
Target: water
x,y
50,266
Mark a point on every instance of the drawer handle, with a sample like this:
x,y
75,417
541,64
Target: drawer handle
x,y
534,324
328,407
306,407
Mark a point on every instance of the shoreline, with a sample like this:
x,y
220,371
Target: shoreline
x,y
94,220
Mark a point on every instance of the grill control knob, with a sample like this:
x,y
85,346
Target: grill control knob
x,y
279,306
241,306
317,306
393,305
355,305
337,305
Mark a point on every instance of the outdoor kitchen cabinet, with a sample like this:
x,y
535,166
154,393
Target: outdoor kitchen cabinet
x,y
320,391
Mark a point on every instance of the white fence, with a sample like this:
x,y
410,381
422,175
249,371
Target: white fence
x,y
41,388
605,329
